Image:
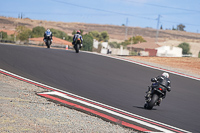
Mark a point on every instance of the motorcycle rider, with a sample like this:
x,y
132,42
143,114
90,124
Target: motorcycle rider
x,y
160,80
47,33
76,36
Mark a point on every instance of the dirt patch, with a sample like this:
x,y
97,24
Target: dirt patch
x,y
184,64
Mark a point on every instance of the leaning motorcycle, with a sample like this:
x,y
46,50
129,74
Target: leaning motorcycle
x,y
154,95
77,45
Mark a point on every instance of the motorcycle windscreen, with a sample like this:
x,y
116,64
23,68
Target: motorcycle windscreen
x,y
48,33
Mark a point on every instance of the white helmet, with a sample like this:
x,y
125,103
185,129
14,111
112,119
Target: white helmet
x,y
165,75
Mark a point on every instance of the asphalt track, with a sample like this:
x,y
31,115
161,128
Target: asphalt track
x,y
110,81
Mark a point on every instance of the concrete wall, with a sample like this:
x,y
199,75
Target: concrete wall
x,y
119,51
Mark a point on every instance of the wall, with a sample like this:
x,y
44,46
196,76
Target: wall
x,y
169,51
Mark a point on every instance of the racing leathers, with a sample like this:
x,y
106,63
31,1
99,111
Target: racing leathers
x,y
47,34
77,36
159,81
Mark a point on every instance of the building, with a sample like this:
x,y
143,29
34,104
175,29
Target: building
x,y
144,48
106,49
169,51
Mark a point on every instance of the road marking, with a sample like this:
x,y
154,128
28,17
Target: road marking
x,y
109,109
123,114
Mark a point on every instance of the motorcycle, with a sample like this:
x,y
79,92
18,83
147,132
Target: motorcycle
x,y
154,96
77,45
48,40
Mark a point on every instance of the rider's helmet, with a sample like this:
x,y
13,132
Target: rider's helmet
x,y
165,75
78,32
48,30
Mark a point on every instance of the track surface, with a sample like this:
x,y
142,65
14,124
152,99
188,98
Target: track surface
x,y
113,82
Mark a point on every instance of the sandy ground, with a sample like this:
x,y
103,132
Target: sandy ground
x,y
186,65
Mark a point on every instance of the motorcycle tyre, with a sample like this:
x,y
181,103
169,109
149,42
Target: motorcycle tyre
x,y
48,43
77,48
153,101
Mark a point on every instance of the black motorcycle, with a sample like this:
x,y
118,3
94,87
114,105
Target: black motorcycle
x,y
77,45
48,41
154,95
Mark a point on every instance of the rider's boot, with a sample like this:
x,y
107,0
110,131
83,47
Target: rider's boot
x,y
159,101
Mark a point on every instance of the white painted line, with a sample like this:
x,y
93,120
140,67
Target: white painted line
x,y
92,105
118,114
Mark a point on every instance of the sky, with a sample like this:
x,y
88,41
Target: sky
x,y
134,13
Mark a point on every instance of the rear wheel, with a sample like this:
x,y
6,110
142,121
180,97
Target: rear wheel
x,y
153,101
77,48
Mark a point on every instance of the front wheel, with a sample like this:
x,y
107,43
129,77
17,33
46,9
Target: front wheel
x,y
152,103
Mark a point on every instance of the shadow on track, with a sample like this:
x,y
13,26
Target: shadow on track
x,y
139,107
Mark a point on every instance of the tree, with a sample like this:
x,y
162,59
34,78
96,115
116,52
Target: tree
x,y
60,34
104,36
186,48
173,28
161,27
23,33
136,39
74,32
38,31
114,44
88,42
199,54
95,34
180,27
3,35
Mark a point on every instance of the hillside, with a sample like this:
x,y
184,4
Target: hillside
x,y
116,33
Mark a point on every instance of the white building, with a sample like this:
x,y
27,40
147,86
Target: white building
x,y
121,51
169,51
95,43
106,49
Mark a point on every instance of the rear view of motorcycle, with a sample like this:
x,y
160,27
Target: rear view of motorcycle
x,y
77,45
154,96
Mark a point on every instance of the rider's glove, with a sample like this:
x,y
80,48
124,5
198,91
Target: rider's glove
x,y
153,80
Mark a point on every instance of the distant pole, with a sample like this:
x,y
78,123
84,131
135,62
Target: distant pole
x,y
126,28
131,43
132,37
157,32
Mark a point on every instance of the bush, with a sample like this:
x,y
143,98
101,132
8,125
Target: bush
x,y
3,35
136,39
38,31
186,48
23,33
103,36
87,42
61,34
